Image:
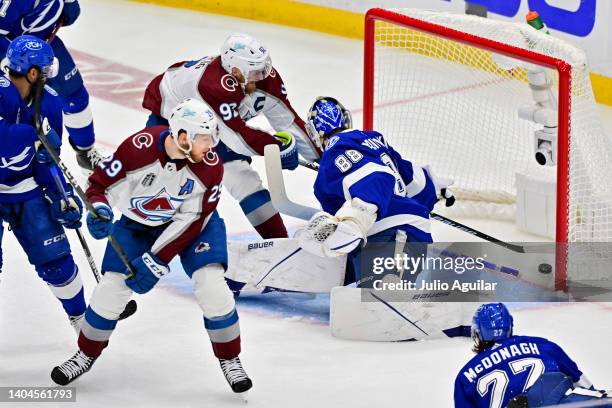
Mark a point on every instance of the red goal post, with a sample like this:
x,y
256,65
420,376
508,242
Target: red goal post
x,y
397,27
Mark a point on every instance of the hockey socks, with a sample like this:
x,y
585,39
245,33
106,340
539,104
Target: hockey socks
x,y
224,333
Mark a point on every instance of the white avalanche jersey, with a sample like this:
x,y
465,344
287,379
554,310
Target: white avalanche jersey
x,y
207,80
150,188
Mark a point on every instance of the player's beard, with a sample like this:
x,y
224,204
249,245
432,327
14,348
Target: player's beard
x,y
250,87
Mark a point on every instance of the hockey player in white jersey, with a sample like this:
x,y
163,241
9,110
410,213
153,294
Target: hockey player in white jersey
x,y
367,191
239,84
167,183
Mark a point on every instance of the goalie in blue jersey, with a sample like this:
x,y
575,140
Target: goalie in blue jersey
x,y
518,371
368,192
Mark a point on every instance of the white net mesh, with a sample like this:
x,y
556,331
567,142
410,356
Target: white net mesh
x,y
455,107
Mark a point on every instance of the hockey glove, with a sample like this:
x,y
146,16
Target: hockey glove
x,y
288,150
148,269
100,224
441,185
42,155
331,236
71,11
66,213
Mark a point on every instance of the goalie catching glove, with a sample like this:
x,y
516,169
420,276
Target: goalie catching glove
x,y
327,235
441,185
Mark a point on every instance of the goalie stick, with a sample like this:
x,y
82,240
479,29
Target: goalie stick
x,y
131,306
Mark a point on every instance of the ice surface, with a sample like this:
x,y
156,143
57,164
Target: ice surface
x,y
161,356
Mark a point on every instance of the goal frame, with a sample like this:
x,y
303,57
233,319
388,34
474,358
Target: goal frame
x,y
564,104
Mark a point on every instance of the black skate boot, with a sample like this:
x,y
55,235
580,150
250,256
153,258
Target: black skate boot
x,y
235,375
72,369
88,159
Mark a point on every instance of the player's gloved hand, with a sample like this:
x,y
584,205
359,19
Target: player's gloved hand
x,y
331,236
441,185
68,213
288,150
100,224
42,155
148,269
71,11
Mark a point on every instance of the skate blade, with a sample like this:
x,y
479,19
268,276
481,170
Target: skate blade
x,y
244,396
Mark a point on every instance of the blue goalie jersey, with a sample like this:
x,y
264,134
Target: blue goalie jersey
x,y
495,376
360,164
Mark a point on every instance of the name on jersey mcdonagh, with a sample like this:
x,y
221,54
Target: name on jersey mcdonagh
x,y
457,285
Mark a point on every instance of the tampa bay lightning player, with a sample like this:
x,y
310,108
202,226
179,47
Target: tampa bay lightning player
x,y
30,201
39,18
368,192
518,371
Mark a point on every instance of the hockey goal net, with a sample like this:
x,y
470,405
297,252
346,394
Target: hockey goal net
x,y
446,90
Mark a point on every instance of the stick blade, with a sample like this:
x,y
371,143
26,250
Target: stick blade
x,y
276,185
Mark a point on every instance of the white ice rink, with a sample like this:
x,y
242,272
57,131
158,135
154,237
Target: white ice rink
x,y
162,356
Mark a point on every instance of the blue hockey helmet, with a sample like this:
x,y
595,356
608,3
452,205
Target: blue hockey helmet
x,y
327,116
492,322
27,51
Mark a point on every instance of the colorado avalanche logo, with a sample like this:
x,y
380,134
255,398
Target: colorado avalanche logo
x,y
229,83
158,208
142,140
211,158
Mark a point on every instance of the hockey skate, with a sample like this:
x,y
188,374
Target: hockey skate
x,y
88,159
235,375
72,369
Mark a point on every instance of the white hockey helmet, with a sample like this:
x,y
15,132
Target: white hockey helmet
x,y
194,117
246,53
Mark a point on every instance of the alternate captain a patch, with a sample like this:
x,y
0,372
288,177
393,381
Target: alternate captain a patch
x,y
157,208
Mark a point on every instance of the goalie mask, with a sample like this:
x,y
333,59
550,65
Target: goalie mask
x,y
246,53
193,117
325,117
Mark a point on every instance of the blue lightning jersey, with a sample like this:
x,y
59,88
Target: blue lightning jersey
x,y
359,164
21,176
495,376
34,17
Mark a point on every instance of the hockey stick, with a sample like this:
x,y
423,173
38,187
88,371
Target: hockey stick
x,y
448,221
131,306
58,25
276,185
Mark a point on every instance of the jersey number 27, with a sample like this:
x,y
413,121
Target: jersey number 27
x,y
497,380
